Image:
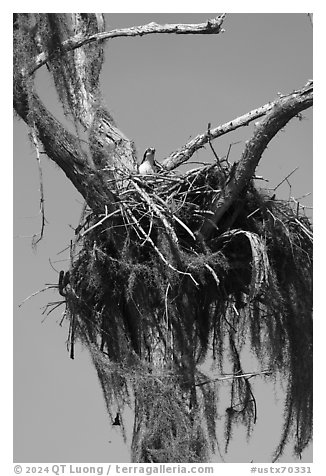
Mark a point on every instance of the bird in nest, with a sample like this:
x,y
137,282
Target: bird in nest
x,y
148,165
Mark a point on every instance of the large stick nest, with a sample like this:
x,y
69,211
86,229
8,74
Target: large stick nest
x,y
150,296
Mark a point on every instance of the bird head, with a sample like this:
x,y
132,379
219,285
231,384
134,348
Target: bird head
x,y
149,155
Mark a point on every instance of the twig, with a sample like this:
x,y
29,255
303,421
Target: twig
x,y
235,309
177,219
253,213
54,305
72,337
285,179
99,222
166,303
149,230
233,376
54,286
38,158
229,150
53,266
210,144
210,269
304,229
303,196
169,229
185,227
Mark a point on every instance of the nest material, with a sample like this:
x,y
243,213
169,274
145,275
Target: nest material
x,y
151,299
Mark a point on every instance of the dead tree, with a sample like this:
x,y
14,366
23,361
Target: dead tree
x,y
169,268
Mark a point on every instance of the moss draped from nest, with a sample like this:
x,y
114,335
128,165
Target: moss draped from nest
x,y
152,300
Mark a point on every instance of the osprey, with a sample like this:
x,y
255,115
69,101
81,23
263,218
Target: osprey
x,y
148,165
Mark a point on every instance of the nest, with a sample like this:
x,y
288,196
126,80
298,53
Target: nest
x,y
151,298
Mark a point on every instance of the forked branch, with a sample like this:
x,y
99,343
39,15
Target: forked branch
x,y
282,111
186,151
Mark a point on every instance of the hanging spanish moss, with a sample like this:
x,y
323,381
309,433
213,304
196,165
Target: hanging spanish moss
x,y
152,300
75,73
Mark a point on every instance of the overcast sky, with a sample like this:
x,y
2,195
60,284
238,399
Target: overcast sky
x,y
161,90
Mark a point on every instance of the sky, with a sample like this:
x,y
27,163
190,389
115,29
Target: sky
x,y
162,90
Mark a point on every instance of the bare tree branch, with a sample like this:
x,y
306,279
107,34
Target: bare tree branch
x,y
282,111
211,26
186,151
